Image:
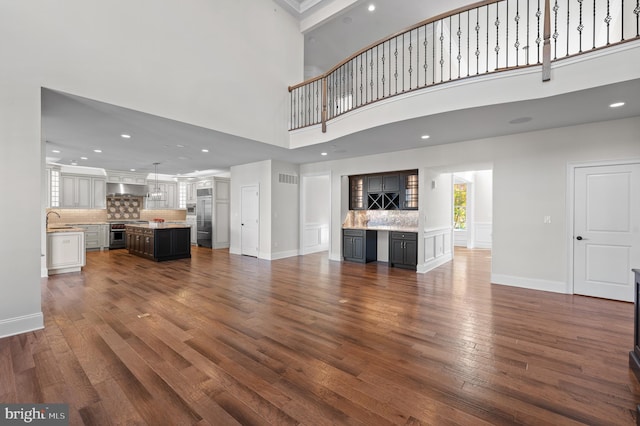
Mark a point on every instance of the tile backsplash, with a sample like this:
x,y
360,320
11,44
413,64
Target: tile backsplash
x,y
372,218
124,208
88,216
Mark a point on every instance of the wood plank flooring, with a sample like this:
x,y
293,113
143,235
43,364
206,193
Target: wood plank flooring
x,y
221,339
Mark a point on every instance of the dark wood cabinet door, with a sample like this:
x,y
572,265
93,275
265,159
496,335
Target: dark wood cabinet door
x,y
411,253
396,253
357,193
181,242
374,184
391,183
162,243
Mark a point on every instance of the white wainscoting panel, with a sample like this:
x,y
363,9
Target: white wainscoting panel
x,y
438,248
460,237
483,234
315,238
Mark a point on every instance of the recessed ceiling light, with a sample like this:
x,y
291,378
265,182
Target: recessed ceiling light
x,y
371,7
83,158
616,105
425,137
73,163
205,150
132,170
180,146
56,151
125,136
97,150
323,153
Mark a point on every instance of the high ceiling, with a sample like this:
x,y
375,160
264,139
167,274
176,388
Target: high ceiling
x,y
77,126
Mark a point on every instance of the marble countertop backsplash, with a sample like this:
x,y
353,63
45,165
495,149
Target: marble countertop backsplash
x,y
383,220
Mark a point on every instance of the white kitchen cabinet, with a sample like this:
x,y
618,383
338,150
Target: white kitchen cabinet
x,y
125,177
96,237
191,192
75,192
193,223
82,192
65,252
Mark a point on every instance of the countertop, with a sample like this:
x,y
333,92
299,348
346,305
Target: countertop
x,y
64,228
160,226
393,228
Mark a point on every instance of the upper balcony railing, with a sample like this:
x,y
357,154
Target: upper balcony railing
x,y
485,37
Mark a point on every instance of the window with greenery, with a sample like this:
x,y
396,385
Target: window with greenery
x,y
460,206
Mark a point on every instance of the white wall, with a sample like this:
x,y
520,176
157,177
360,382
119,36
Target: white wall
x,y
482,208
316,213
529,182
199,64
285,213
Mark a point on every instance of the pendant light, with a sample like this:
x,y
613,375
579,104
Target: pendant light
x,y
156,194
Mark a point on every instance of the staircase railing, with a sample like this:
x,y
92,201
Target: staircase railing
x,y
486,37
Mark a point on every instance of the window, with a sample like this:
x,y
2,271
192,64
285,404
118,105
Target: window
x,y
182,195
460,206
55,188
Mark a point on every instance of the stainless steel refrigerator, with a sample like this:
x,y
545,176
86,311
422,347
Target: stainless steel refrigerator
x,y
204,216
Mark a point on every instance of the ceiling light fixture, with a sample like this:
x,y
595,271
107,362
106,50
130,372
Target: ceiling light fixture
x,y
83,158
180,146
156,194
56,151
205,150
97,150
616,105
425,137
125,136
323,153
132,170
73,163
371,7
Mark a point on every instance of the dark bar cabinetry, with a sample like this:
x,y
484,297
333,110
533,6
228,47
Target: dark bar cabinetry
x,y
403,249
360,245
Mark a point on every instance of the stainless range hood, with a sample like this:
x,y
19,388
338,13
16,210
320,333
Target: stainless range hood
x,y
126,189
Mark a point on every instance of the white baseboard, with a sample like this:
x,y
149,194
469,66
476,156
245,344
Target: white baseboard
x,y
434,263
23,324
530,283
283,254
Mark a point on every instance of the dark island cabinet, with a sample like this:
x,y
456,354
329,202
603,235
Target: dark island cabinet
x,y
359,245
159,244
403,249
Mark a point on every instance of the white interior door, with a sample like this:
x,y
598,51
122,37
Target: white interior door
x,y
250,220
606,230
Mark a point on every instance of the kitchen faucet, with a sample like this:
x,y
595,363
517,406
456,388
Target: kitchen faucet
x,y
47,218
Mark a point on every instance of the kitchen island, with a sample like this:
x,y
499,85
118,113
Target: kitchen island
x,y
159,242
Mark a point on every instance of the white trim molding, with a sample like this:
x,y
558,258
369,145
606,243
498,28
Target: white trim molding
x,y
530,283
23,324
438,248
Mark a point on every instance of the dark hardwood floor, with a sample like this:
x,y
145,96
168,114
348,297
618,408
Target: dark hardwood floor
x,y
223,339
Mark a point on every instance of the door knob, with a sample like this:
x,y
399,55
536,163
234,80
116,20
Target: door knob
x,y
579,238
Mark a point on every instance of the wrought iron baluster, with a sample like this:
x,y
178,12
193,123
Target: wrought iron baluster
x,y
477,40
580,28
622,21
538,38
441,53
425,54
497,24
459,57
637,12
371,73
507,38
395,74
366,77
433,52
377,72
487,48
361,88
383,60
417,57
410,59
402,59
316,115
517,43
607,20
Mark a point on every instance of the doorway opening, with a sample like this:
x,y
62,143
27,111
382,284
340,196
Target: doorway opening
x,y
472,209
315,213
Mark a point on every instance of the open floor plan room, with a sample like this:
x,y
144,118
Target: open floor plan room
x,y
225,339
